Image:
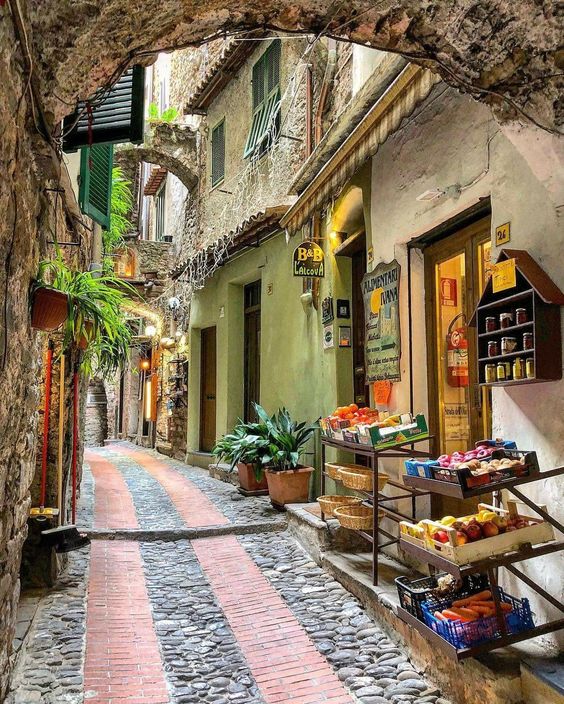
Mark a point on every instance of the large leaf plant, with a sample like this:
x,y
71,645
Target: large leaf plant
x,y
286,439
247,444
95,314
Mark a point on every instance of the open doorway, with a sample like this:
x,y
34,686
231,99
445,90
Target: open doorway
x,y
208,363
251,378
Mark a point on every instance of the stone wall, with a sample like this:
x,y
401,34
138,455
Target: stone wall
x,y
96,414
153,258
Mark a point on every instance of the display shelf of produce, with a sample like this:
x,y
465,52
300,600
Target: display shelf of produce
x,y
526,552
461,654
455,490
401,450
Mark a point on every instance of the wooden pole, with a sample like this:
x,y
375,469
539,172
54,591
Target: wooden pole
x,y
61,438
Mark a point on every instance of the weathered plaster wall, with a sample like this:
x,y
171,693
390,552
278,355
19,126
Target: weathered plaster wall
x,y
444,146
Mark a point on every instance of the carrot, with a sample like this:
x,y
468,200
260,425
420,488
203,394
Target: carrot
x,y
491,605
465,614
450,615
480,596
481,610
438,615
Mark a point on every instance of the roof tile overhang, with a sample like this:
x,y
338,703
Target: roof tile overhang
x,y
155,181
249,233
401,98
220,71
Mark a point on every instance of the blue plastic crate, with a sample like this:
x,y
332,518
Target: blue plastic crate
x,y
507,444
466,634
419,468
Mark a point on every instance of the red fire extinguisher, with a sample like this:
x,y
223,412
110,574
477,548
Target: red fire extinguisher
x,y
457,353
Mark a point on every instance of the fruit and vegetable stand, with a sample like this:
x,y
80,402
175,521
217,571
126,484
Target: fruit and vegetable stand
x,y
523,538
374,454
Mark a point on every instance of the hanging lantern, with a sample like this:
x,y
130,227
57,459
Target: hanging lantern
x,y
144,364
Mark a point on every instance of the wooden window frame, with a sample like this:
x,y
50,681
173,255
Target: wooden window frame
x,y
88,168
217,180
266,102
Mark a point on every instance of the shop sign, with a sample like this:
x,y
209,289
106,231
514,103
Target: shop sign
x,y
380,291
457,423
328,341
502,234
504,275
327,310
344,335
309,260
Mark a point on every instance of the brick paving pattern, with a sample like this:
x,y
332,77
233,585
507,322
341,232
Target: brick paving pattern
x,y
214,620
282,658
123,663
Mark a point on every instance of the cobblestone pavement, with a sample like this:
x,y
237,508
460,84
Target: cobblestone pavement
x,y
221,619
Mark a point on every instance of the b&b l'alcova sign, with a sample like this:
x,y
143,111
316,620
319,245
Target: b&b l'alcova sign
x,y
308,260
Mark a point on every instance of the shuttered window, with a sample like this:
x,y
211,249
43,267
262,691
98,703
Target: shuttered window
x,y
265,124
95,191
116,117
218,154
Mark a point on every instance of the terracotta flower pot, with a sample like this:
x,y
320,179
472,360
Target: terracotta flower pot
x,y
50,309
249,486
288,487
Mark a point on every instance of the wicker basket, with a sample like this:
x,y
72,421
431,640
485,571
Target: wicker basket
x,y
329,503
355,517
357,477
333,470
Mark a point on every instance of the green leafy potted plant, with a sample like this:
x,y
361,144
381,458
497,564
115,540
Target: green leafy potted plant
x,y
95,319
244,448
288,480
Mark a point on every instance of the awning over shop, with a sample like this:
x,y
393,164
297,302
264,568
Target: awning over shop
x,y
407,91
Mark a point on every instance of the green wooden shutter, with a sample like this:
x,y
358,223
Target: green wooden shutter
x,y
95,191
218,153
266,99
117,116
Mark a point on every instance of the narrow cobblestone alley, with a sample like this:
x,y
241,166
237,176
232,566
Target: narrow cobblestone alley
x,y
191,593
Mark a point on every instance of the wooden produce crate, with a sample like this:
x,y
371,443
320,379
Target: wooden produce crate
x,y
538,532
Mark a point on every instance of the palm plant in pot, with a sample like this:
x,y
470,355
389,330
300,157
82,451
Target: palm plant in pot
x,y
244,448
288,480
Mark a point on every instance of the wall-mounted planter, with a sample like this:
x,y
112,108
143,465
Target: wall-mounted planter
x,y
50,309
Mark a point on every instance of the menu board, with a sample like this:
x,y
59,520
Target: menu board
x,y
382,351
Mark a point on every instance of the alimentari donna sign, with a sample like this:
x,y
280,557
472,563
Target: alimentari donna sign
x,y
309,260
382,351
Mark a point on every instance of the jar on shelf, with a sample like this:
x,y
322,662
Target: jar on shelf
x,y
507,371
490,373
500,372
505,320
530,367
491,324
518,368
528,341
493,348
520,316
508,345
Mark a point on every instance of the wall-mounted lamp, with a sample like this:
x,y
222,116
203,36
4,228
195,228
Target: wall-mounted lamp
x,y
144,364
336,239
150,330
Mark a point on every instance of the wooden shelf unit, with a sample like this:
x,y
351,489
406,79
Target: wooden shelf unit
x,y
405,451
490,565
540,297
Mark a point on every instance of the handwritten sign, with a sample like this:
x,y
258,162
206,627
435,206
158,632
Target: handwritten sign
x,y
382,351
504,275
382,392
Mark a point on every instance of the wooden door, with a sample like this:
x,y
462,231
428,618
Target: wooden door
x,y
456,271
207,389
252,350
361,393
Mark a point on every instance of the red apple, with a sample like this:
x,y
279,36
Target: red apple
x,y
473,531
461,538
489,529
441,536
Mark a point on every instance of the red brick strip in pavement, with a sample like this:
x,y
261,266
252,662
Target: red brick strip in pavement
x,y
123,663
283,660
113,505
192,504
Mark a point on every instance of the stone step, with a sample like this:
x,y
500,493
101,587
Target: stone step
x,y
542,680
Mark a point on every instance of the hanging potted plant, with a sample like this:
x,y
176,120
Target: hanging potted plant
x,y
244,449
288,480
49,306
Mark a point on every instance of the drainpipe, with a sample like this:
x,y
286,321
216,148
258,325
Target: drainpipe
x,y
325,85
309,105
96,264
